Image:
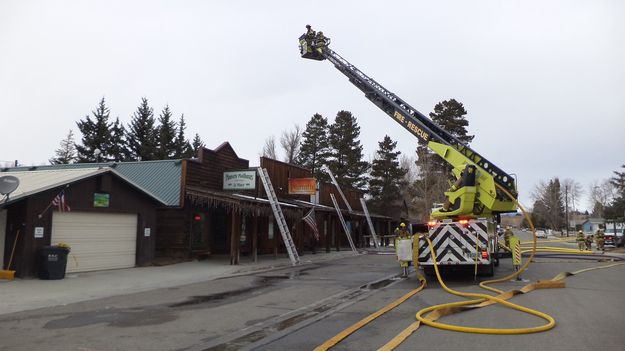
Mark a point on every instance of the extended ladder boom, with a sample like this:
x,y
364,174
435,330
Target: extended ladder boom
x,y
411,119
477,191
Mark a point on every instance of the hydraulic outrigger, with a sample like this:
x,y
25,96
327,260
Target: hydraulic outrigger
x,y
476,194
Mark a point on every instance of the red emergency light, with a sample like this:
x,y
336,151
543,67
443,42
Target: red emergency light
x,y
485,255
197,218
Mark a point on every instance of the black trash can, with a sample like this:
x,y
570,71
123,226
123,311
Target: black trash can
x,y
52,262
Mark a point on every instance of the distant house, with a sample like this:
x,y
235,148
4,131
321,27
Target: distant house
x,y
591,225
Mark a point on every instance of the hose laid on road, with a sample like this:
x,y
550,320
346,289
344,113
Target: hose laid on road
x,y
354,327
438,311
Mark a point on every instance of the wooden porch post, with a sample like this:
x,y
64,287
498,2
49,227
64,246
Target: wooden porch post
x,y
255,239
275,237
326,222
235,238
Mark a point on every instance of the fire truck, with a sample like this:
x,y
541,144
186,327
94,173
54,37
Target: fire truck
x,y
463,229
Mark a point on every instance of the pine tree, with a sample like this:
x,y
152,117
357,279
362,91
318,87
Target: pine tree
x,y
197,144
434,172
315,149
346,155
549,203
183,148
95,135
450,115
118,151
66,153
142,133
167,147
386,179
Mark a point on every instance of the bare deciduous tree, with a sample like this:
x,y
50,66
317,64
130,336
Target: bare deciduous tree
x,y
573,191
601,195
290,142
269,149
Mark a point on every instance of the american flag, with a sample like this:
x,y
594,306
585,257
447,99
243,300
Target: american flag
x,y
309,218
60,203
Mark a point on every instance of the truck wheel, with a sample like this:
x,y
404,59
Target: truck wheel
x,y
497,260
429,270
489,270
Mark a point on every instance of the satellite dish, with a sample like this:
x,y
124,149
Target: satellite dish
x,y
8,184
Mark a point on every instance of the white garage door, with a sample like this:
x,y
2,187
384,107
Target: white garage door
x,y
98,240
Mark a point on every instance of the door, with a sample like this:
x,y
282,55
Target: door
x,y
219,230
98,240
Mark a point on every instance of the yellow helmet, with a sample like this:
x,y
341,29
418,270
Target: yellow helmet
x,y
402,224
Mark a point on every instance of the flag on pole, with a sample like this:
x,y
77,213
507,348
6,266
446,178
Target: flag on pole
x,y
309,218
60,203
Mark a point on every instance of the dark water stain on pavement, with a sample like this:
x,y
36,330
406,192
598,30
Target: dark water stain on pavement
x,y
159,314
114,318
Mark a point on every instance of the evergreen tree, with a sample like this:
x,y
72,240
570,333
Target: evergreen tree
x,y
95,135
618,181
549,204
197,144
450,115
386,180
346,155
434,172
66,153
315,149
617,208
142,139
167,141
119,150
183,148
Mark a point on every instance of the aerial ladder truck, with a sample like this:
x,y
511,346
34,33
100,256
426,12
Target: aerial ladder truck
x,y
464,229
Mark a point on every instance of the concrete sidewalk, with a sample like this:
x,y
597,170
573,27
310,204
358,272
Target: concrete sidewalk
x,y
27,294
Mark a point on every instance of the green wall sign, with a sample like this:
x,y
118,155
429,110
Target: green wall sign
x,y
101,200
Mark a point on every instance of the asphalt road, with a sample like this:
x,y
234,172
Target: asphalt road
x,y
299,308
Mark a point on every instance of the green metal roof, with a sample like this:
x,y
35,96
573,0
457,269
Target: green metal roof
x,y
161,179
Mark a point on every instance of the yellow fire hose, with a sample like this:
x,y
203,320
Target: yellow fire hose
x,y
438,311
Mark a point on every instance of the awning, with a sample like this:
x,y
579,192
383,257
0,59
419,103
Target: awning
x,y
245,204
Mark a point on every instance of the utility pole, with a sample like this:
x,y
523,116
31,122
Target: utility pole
x,y
566,206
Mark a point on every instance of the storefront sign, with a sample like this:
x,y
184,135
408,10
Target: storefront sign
x,y
240,180
302,186
101,200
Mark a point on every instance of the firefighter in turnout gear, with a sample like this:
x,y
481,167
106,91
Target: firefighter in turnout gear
x,y
581,241
507,235
310,35
320,42
403,248
600,240
589,242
